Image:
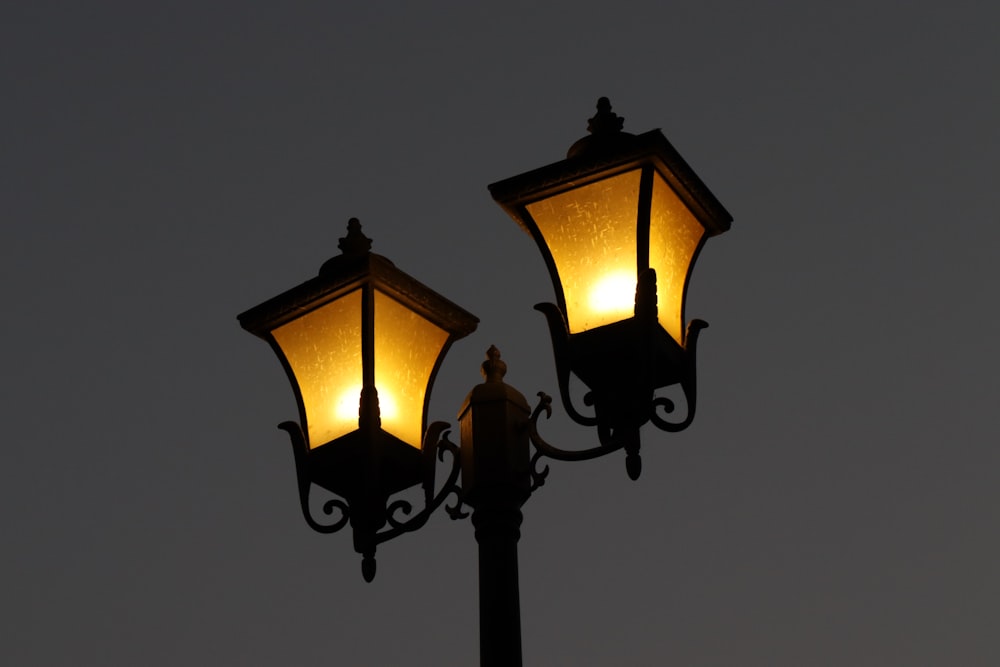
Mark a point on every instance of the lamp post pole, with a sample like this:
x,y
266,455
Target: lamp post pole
x,y
497,531
496,481
616,326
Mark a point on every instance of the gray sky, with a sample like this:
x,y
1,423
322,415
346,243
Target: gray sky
x,y
165,167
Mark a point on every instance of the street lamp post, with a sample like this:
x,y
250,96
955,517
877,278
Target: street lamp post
x,y
619,224
496,481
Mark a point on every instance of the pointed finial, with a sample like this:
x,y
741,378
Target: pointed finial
x,y
494,367
355,243
605,121
368,566
606,135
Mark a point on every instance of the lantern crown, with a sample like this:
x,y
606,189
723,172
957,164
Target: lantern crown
x,y
607,151
355,243
344,272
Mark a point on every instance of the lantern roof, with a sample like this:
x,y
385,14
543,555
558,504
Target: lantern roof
x,y
606,152
348,271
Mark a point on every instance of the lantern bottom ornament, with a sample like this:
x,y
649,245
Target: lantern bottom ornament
x,y
365,469
622,364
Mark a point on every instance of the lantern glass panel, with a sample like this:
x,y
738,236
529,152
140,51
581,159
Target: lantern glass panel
x,y
674,237
323,349
591,233
407,347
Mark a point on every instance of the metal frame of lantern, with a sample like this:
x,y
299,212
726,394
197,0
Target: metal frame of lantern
x,y
367,465
624,362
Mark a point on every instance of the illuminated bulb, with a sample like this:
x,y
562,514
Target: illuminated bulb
x,y
346,407
613,294
387,405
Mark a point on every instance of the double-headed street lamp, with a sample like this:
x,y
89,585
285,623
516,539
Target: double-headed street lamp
x,y
619,223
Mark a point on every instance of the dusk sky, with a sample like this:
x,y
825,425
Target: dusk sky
x,y
166,166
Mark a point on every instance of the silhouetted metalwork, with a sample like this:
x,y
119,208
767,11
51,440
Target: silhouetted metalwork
x,y
371,516
496,482
623,359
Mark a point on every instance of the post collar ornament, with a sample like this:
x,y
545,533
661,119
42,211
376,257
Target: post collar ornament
x,y
494,368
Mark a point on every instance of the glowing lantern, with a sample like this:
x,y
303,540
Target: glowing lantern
x,y
361,344
619,223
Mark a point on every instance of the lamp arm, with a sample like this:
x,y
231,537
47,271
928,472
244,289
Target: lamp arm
x,y
543,448
560,347
451,484
689,384
300,451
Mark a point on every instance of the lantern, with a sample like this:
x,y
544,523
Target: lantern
x,y
361,344
619,224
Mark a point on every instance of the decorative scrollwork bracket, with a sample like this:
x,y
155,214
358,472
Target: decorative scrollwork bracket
x,y
375,519
544,448
620,409
623,364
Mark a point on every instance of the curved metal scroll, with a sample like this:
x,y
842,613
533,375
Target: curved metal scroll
x,y
689,384
611,437
544,448
560,347
435,442
686,372
301,451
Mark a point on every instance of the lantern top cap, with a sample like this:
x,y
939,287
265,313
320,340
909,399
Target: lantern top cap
x,y
355,251
355,267
607,152
606,133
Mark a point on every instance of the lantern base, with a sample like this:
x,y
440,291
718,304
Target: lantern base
x,y
365,494
622,364
359,463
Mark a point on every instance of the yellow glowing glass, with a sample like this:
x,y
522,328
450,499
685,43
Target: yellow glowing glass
x,y
674,237
346,406
406,350
323,348
591,233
